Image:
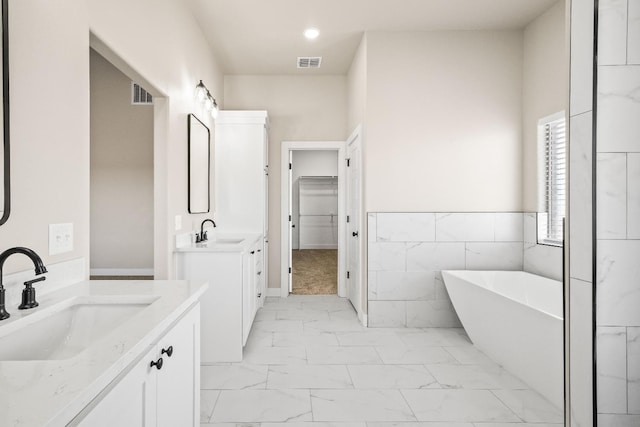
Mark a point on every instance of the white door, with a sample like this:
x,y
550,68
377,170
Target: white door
x,y
354,291
290,194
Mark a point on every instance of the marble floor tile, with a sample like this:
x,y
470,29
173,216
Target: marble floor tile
x,y
321,355
314,424
360,405
289,339
403,355
419,424
518,424
304,314
260,339
208,400
275,355
436,337
233,377
240,406
306,369
368,337
469,355
474,377
391,377
338,325
308,376
530,406
277,326
458,405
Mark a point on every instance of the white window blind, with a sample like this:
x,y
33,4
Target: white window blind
x,y
553,137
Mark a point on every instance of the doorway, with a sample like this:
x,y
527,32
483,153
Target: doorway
x,y
313,218
314,222
122,174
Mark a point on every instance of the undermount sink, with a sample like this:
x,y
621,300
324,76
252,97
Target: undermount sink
x,y
227,241
68,328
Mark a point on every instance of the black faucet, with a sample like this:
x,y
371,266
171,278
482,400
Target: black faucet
x,y
28,299
202,237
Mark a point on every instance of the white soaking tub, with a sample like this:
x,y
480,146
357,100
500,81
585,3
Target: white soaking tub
x,y
515,318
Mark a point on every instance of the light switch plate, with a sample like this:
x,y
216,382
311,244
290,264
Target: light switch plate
x,y
178,222
60,238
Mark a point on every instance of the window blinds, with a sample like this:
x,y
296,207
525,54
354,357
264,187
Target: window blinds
x,y
554,133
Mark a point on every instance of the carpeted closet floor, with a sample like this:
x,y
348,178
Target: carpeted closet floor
x,y
315,271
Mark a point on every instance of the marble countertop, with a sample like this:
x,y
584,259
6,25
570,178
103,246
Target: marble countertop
x,y
219,242
52,392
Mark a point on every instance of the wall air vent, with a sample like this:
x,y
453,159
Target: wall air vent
x,y
309,61
139,96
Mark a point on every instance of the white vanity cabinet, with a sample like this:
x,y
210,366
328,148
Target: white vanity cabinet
x,y
242,177
234,274
146,396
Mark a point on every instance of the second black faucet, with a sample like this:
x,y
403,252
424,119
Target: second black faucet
x,y
202,237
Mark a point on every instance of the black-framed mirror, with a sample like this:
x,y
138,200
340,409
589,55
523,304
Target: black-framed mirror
x,y
199,166
5,200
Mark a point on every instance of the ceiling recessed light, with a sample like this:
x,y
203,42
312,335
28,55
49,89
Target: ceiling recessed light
x,y
311,33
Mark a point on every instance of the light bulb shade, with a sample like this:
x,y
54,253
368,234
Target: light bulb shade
x,y
201,91
214,110
208,102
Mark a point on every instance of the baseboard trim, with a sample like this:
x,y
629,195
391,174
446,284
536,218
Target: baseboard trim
x,y
121,271
273,292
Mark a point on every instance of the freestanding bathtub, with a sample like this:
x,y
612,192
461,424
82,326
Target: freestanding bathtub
x,y
515,318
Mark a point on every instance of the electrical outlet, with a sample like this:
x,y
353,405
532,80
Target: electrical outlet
x,y
178,222
60,238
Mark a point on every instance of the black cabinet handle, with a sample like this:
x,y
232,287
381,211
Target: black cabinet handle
x,y
259,294
157,364
259,250
355,234
168,351
259,273
253,252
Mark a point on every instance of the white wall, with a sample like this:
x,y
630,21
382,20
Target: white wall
x,y
301,108
121,172
357,87
309,163
50,110
443,116
49,65
544,89
170,52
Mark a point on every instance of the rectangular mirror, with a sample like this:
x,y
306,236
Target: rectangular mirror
x,y
199,166
4,111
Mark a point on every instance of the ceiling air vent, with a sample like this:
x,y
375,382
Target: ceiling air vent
x,y
139,96
309,61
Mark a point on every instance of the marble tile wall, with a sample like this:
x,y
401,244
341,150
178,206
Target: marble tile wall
x,y
618,213
407,252
542,260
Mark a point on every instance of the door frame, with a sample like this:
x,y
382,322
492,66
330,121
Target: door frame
x,y
287,147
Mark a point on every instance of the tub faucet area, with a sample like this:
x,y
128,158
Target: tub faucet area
x,y
39,269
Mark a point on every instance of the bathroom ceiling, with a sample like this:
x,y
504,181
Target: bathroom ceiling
x,y
266,36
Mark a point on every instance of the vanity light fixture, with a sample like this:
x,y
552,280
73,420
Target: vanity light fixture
x,y
209,102
201,91
311,33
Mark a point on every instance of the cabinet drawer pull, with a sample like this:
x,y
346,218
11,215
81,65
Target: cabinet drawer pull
x,y
259,250
253,252
259,294
168,351
259,273
157,364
